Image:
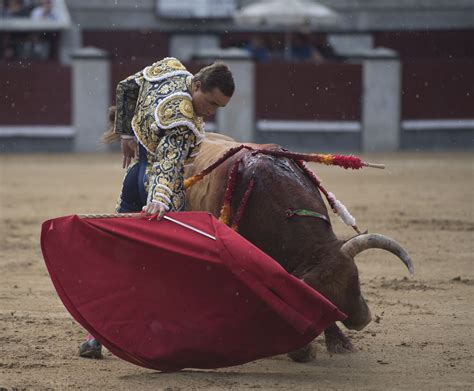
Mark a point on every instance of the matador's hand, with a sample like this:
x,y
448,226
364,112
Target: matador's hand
x,y
154,208
129,150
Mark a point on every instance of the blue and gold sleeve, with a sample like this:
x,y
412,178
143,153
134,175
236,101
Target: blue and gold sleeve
x,y
166,173
126,101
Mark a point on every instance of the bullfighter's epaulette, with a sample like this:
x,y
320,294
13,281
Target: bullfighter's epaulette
x,y
177,110
165,68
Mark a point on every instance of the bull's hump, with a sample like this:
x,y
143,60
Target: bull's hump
x,y
281,169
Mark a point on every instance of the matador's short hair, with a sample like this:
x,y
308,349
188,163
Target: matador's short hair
x,y
217,75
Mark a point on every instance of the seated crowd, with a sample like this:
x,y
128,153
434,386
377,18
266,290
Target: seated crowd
x,y
297,47
30,45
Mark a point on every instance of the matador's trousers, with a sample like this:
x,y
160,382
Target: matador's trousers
x,y
134,196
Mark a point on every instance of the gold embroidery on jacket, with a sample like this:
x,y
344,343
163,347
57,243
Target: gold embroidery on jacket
x,y
162,68
186,108
166,168
175,108
126,101
162,117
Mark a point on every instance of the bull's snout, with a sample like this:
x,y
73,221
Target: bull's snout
x,y
360,319
358,326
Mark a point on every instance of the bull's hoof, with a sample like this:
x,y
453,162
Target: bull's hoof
x,y
337,342
306,354
340,347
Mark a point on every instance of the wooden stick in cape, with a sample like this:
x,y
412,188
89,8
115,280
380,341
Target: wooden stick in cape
x,y
139,215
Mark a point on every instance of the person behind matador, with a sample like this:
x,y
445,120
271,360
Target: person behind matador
x,y
159,120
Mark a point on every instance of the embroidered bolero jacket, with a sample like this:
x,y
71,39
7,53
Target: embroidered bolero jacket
x,y
155,106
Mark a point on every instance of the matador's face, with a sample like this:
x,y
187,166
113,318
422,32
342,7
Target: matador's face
x,y
206,103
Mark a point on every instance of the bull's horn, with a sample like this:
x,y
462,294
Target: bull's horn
x,y
363,242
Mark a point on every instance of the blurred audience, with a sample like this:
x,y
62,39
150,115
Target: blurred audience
x,y
26,46
264,49
34,9
44,11
312,47
16,9
258,49
303,47
322,45
34,45
34,48
303,50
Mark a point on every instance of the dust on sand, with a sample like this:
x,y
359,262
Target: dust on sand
x,y
422,334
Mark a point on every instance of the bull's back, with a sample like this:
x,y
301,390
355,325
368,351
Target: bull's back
x,y
208,193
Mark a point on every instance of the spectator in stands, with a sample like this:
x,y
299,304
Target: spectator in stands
x,y
34,48
321,44
15,9
25,46
303,50
312,47
44,11
300,47
276,48
258,50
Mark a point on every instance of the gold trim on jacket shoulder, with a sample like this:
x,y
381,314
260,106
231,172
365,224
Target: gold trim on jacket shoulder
x,y
177,110
165,68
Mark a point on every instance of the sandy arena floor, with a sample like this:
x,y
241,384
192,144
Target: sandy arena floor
x,y
421,339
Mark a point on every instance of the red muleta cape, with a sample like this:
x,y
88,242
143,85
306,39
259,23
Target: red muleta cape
x,y
164,297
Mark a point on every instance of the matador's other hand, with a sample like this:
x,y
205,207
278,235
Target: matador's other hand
x,y
129,149
154,208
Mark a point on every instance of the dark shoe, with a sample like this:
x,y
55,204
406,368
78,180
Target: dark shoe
x,y
91,349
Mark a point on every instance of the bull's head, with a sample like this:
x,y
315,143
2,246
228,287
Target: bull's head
x,y
339,281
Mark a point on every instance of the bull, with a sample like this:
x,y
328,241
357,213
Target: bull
x,y
306,247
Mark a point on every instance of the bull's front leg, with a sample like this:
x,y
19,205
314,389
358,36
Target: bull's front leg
x,y
336,341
